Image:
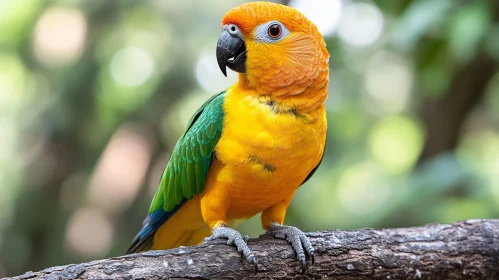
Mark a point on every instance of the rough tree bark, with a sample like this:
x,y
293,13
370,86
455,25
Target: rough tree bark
x,y
464,250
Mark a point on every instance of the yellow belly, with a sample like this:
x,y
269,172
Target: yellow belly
x,y
263,156
261,159
252,192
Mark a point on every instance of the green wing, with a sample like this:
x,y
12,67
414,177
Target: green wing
x,y
186,172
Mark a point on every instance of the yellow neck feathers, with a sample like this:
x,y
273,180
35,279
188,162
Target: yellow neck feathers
x,y
293,71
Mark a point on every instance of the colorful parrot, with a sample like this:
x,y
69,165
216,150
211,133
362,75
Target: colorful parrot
x,y
248,148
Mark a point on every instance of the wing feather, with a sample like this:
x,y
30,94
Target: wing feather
x,y
186,172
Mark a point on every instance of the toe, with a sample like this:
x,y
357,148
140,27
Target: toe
x,y
280,235
303,263
309,249
298,240
251,259
234,238
207,239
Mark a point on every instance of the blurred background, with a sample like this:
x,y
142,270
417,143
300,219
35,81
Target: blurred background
x,y
94,95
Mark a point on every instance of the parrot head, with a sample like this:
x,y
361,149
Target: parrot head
x,y
275,48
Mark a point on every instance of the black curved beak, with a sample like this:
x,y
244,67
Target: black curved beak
x,y
231,52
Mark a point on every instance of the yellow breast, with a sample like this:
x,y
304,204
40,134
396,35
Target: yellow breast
x,y
267,149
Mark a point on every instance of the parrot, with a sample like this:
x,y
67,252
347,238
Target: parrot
x,y
247,149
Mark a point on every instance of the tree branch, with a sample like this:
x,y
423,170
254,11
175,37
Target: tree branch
x,y
464,250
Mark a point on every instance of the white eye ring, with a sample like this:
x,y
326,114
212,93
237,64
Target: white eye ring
x,y
263,32
233,29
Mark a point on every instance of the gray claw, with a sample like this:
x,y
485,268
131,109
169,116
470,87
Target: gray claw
x,y
298,240
234,238
252,260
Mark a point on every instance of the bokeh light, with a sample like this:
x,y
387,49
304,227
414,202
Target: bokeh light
x,y
388,81
131,66
480,153
208,73
418,19
326,18
396,142
468,28
121,169
368,179
89,233
59,36
15,17
361,24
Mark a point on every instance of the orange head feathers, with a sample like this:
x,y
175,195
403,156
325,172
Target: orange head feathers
x,y
276,49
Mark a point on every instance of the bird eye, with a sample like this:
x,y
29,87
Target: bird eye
x,y
274,31
270,32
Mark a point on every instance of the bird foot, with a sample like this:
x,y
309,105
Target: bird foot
x,y
298,240
234,238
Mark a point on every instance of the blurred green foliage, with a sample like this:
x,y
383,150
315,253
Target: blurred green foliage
x,y
94,94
